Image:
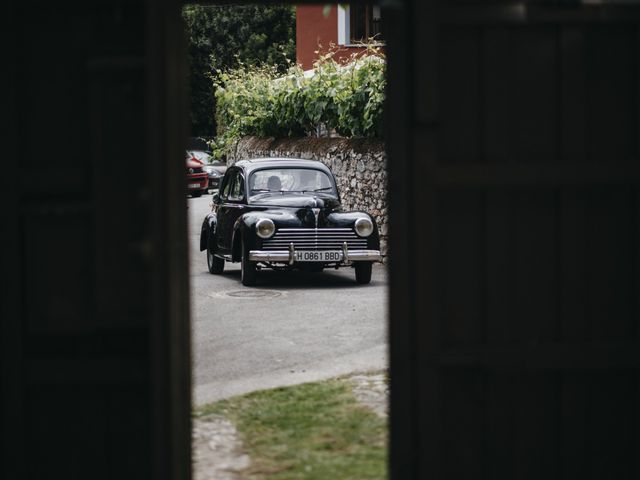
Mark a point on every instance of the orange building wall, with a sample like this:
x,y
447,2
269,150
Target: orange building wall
x,y
315,32
314,29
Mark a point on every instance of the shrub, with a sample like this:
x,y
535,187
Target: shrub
x,y
221,36
339,98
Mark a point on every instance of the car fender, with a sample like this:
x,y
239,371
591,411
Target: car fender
x,y
348,219
207,230
245,228
241,229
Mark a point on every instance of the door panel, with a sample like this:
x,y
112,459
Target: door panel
x,y
94,322
522,277
233,205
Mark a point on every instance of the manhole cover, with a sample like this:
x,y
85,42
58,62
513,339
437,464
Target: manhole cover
x,y
253,293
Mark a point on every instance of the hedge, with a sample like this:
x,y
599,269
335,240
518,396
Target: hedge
x,y
344,99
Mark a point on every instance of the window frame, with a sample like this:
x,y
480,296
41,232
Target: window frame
x,y
237,180
345,25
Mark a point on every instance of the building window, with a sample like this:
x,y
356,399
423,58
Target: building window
x,y
365,23
358,24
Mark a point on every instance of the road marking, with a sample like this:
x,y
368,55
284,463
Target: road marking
x,y
250,294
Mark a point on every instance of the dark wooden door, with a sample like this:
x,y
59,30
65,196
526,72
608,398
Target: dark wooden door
x,y
513,133
94,301
515,241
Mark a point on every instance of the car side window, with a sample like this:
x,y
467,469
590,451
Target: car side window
x,y
237,188
226,188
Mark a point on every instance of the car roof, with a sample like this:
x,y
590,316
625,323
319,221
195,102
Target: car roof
x,y
260,163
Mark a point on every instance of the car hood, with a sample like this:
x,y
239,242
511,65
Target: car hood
x,y
220,170
194,163
296,200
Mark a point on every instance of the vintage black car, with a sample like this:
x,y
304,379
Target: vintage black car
x,y
285,214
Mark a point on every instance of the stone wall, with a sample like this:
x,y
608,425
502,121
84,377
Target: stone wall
x,y
359,166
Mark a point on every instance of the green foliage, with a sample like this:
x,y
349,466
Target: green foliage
x,y
345,98
315,431
223,37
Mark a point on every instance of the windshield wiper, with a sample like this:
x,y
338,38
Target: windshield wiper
x,y
266,190
262,190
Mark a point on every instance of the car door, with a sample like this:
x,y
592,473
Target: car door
x,y
232,206
222,210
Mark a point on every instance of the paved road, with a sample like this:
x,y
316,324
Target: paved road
x,y
293,327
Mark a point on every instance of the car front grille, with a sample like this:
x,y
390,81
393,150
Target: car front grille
x,y
314,239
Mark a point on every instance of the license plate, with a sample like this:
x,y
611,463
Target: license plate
x,y
194,185
318,256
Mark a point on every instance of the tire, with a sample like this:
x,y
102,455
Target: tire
x,y
248,271
363,272
215,264
196,193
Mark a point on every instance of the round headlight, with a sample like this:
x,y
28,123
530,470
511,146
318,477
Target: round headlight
x,y
265,228
364,227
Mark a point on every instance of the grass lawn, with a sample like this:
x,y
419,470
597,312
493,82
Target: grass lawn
x,y
314,431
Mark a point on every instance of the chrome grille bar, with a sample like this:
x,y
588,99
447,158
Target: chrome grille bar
x,y
312,243
329,239
314,239
319,230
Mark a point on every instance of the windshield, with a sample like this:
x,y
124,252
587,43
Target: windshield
x,y
204,157
296,180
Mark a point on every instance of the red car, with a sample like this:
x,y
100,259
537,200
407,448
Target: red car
x,y
197,178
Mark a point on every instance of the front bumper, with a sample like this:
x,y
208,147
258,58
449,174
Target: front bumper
x,y
288,256
197,183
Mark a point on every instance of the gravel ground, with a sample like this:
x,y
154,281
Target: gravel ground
x,y
217,452
372,391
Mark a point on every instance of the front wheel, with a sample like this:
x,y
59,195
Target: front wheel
x,y
248,271
363,272
215,264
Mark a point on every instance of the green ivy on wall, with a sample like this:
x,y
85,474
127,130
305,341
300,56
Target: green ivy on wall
x,y
337,98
